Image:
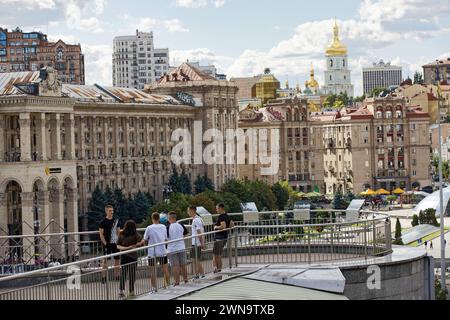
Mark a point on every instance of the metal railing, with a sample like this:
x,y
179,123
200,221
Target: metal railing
x,y
21,253
258,243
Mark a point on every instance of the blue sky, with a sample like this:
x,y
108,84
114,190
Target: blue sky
x,y
242,37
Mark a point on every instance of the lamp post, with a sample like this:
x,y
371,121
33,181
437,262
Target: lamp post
x,y
441,184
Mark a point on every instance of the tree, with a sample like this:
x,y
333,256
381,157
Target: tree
x,y
360,99
185,183
142,204
96,209
418,78
415,221
398,233
281,195
339,202
202,184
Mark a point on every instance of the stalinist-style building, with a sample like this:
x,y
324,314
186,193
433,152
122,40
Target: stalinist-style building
x,y
337,75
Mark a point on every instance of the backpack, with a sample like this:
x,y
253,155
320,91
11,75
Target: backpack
x,y
185,231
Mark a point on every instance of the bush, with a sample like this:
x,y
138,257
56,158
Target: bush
x,y
440,294
398,233
415,221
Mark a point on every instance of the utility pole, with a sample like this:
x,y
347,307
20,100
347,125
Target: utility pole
x,y
441,184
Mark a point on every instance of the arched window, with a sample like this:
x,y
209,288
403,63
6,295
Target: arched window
x,y
331,63
59,53
331,78
343,62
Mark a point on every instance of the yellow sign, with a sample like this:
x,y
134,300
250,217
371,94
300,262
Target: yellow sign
x,y
47,171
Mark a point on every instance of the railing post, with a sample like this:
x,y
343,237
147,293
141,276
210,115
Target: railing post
x,y
365,238
374,235
107,281
229,245
332,241
309,244
49,289
236,249
387,235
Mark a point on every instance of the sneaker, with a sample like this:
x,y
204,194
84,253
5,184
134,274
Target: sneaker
x,y
121,295
203,276
196,277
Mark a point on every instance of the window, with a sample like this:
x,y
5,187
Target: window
x,y
331,64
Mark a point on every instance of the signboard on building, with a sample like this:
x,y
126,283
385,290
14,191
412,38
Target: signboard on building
x,y
50,171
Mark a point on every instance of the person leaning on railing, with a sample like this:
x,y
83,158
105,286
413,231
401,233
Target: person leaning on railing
x,y
223,222
129,239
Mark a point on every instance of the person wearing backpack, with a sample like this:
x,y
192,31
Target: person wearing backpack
x,y
198,243
177,250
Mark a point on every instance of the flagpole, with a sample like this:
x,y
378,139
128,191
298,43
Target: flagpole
x,y
441,184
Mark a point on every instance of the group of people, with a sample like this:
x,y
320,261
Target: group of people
x,y
166,246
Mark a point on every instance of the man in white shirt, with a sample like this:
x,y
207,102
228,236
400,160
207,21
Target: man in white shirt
x,y
154,234
198,243
177,249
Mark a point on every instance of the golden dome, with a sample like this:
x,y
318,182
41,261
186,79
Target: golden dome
x,y
312,82
336,48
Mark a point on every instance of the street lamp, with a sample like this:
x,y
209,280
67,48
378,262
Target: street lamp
x,y
441,184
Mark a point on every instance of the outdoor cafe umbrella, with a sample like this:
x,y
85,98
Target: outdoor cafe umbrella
x,y
369,192
398,191
313,195
383,192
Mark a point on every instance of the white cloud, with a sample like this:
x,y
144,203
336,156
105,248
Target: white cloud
x,y
147,24
199,3
203,55
78,14
174,25
31,4
98,60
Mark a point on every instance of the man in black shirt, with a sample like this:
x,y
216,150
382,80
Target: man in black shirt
x,y
223,222
109,233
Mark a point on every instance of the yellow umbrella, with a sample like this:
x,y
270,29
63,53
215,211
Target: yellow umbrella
x,y
398,191
369,192
383,192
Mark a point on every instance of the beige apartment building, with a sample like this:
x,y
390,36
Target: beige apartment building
x,y
380,145
298,162
59,141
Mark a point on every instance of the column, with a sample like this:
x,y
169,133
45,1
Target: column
x,y
28,226
81,138
2,138
3,225
105,138
44,219
25,137
55,136
93,130
57,224
72,223
146,138
127,137
116,140
70,136
41,137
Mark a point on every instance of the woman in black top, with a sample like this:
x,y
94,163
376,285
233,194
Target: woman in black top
x,y
128,239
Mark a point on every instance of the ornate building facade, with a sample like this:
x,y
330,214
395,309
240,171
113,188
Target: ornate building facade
x,y
59,141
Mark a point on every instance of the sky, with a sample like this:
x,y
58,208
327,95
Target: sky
x,y
243,37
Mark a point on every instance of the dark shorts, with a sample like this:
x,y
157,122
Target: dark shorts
x,y
219,244
196,252
111,248
158,260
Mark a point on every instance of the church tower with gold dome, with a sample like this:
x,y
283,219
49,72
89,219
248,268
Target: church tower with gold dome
x,y
337,75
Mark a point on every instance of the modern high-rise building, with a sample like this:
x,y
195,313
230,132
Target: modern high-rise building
x,y
31,51
136,62
337,75
381,75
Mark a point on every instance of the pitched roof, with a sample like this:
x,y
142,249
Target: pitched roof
x,y
186,72
9,81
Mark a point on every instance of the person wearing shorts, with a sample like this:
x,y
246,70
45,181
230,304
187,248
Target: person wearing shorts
x,y
223,222
157,256
177,250
109,231
198,243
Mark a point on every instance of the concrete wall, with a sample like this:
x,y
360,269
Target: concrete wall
x,y
399,281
